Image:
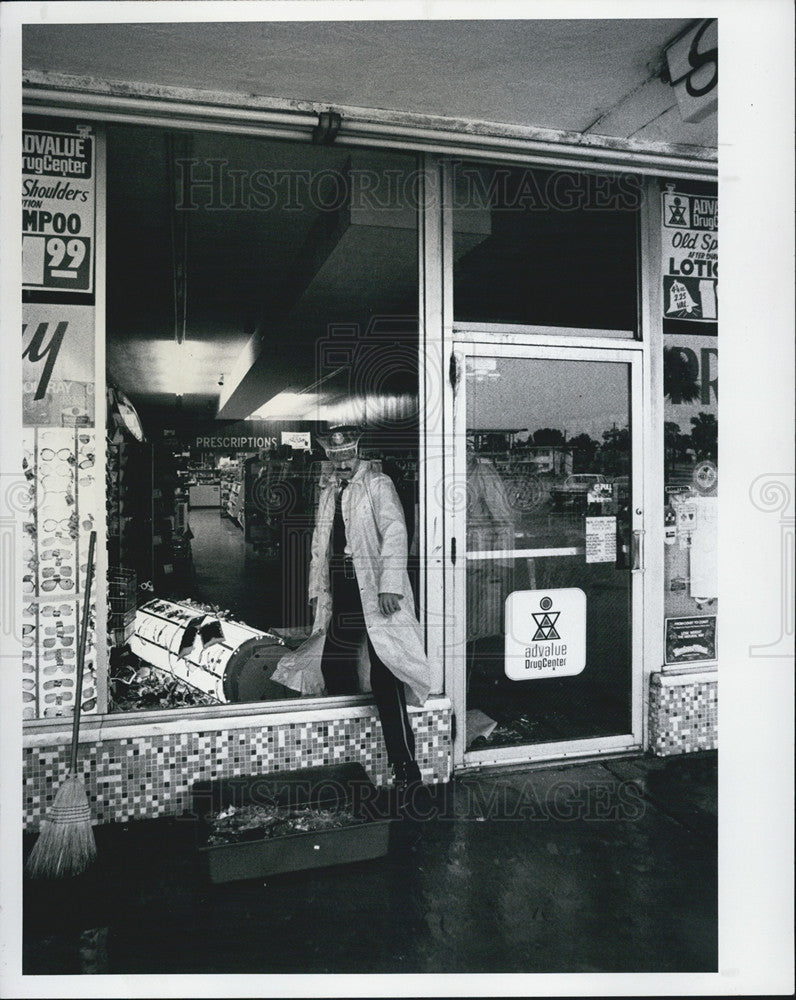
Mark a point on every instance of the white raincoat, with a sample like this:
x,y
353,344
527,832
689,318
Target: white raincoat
x,y
376,536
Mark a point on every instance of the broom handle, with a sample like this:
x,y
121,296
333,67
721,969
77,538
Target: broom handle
x,y
81,651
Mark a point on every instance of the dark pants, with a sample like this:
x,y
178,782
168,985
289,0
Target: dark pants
x,y
339,665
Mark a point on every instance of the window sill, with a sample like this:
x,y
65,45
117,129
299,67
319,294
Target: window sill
x,y
96,729
705,673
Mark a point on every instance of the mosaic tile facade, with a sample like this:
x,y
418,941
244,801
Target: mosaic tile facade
x,y
147,776
683,717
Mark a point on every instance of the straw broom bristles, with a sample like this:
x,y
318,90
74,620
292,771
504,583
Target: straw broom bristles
x,y
66,843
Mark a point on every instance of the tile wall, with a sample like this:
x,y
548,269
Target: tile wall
x,y
147,776
683,718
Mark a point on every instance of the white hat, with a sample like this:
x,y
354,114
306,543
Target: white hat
x,y
341,440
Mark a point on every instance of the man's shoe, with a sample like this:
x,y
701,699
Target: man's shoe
x,y
407,774
412,795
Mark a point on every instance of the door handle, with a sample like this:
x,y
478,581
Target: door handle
x,y
637,551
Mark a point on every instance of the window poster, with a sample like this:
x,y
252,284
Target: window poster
x,y
57,365
58,210
690,256
689,639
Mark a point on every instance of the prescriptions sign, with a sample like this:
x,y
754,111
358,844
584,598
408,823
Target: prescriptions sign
x,y
545,633
58,211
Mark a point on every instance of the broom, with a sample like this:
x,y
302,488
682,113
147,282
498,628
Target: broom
x,y
66,843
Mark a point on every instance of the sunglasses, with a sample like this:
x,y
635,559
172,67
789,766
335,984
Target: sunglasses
x,y
59,629
56,610
48,454
48,585
51,524
58,682
56,571
59,698
62,640
57,554
55,480
55,668
57,654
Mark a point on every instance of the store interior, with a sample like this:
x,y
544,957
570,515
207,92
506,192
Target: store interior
x,y
257,292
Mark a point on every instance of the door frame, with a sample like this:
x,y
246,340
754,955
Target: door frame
x,y
578,346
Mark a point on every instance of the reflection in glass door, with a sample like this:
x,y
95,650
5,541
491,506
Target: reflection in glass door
x,y
548,447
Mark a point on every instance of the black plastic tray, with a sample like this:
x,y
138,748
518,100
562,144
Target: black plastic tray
x,y
333,786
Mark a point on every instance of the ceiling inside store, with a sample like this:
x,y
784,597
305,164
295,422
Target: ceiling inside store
x,y
272,258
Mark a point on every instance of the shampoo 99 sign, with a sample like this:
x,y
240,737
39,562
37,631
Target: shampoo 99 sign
x,y
58,210
545,633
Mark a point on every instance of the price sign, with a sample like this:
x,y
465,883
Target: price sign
x,y
58,211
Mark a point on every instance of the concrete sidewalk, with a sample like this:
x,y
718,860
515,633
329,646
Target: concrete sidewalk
x,y
606,866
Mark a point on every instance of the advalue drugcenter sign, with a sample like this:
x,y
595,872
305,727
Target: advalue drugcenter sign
x,y
545,633
58,211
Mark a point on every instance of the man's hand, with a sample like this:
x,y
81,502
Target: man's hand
x,y
389,603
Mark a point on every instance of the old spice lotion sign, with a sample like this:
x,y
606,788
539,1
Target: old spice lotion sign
x,y
545,633
690,256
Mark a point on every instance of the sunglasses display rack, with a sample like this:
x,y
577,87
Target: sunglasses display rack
x,y
60,505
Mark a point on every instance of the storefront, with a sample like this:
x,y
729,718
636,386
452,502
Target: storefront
x,y
524,325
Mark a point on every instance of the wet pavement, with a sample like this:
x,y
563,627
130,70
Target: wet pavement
x,y
606,866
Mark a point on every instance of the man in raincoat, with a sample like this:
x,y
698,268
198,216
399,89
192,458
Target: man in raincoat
x,y
362,602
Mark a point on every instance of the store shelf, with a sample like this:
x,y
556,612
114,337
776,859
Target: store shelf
x,y
234,507
129,507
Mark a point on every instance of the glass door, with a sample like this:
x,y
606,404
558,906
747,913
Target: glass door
x,y
546,552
